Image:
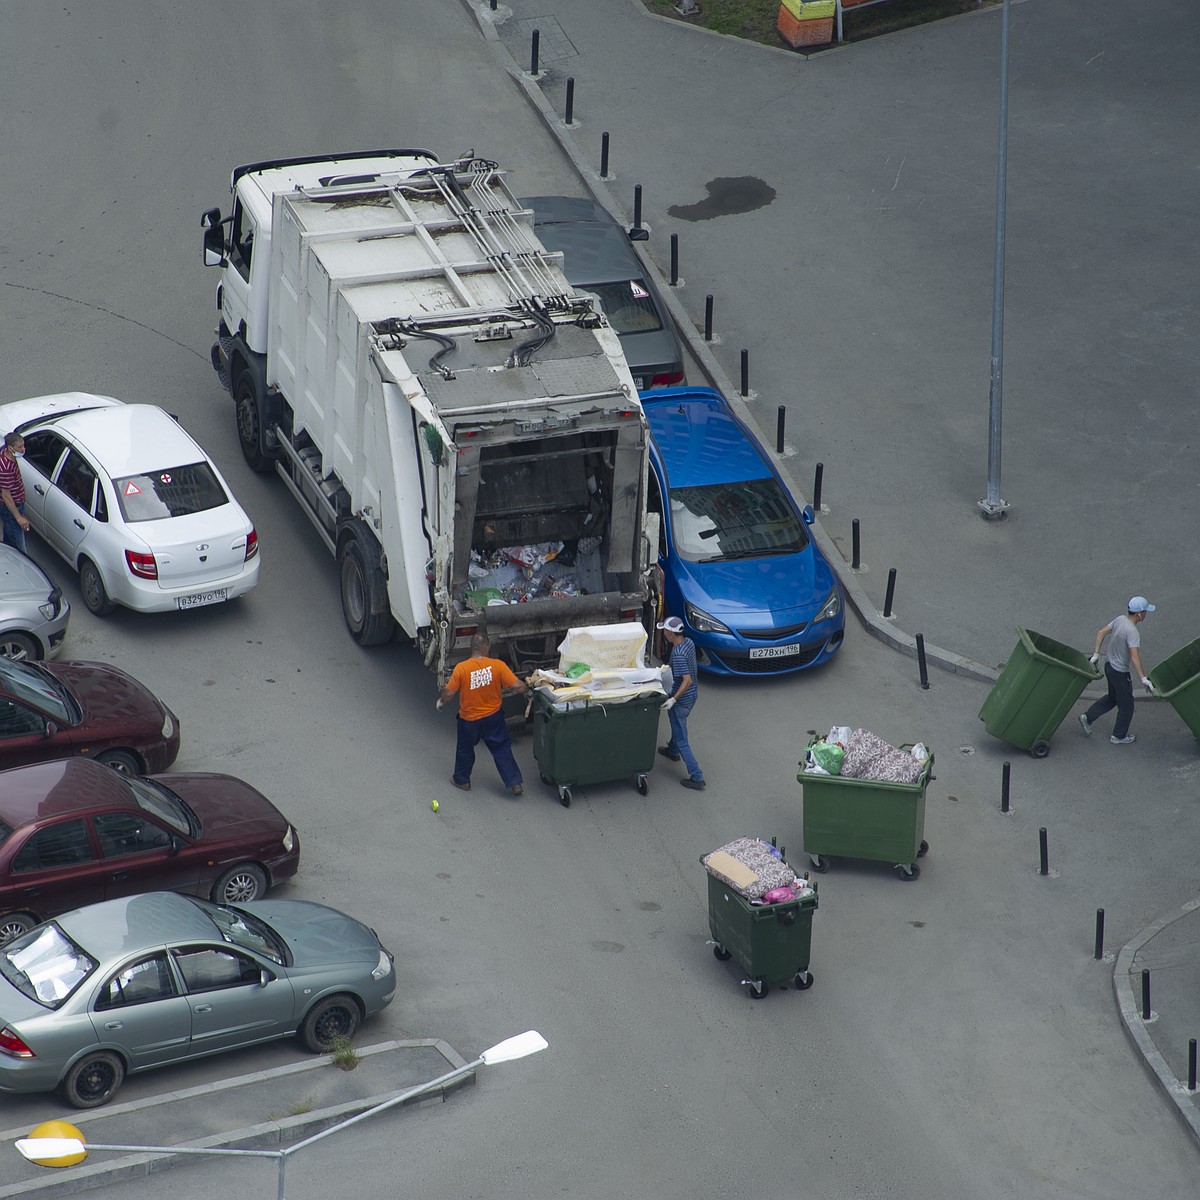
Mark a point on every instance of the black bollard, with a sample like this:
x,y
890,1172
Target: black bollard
x,y
1191,1064
533,51
708,301
855,545
1145,993
570,99
493,5
781,417
1045,868
1099,934
638,233
817,486
674,259
890,595
745,372
1005,773
604,156
921,662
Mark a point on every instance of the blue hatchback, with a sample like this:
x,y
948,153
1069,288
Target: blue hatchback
x,y
740,569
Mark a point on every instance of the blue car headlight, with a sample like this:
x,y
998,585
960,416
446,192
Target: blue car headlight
x,y
701,622
831,607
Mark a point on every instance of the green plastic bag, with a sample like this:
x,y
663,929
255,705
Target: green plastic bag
x,y
828,756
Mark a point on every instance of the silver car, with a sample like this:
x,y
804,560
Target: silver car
x,y
150,980
33,612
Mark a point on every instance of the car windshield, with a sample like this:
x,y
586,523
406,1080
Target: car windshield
x,y
161,802
175,492
242,929
627,305
46,965
37,687
729,521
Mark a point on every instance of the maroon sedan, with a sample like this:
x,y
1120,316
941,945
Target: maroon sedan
x,y
67,709
76,832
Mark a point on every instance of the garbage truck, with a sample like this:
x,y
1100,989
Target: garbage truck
x,y
459,425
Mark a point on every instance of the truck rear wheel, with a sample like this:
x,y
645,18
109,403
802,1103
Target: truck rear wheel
x,y
364,592
251,434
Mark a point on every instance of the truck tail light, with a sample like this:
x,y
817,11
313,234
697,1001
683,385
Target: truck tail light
x,y
251,544
11,1044
465,632
142,565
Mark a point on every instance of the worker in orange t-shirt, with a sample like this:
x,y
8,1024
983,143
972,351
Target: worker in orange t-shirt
x,y
480,682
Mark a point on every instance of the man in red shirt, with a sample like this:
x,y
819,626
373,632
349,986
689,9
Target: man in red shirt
x,y
12,492
480,682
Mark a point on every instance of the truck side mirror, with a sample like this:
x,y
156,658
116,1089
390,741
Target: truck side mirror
x,y
214,238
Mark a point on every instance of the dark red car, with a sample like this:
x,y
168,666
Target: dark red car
x,y
70,709
77,832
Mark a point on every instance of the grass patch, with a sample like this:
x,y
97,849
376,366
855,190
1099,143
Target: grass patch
x,y
296,1109
755,20
344,1054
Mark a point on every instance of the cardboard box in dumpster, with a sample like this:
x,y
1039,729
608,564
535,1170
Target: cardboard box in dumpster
x,y
604,647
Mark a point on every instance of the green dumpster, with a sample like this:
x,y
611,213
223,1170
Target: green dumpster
x,y
1036,689
865,818
771,942
595,742
1178,679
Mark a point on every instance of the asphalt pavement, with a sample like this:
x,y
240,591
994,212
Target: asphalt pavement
x,y
984,1055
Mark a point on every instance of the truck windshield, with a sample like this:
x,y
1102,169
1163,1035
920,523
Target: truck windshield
x,y
735,520
175,492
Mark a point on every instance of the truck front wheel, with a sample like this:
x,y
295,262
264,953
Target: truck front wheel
x,y
364,592
249,410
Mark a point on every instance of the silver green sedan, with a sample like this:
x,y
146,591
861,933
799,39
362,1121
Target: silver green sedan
x,y
150,980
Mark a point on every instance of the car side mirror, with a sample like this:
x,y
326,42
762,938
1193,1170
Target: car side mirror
x,y
174,846
264,977
51,729
808,514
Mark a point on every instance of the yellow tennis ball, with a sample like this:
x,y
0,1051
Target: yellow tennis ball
x,y
434,805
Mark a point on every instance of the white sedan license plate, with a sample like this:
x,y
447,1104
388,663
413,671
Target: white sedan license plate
x,y
202,598
774,651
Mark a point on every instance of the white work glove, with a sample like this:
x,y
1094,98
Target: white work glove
x,y
1147,684
668,704
441,703
1094,659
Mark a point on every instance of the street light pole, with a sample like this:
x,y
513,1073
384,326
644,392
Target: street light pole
x,y
992,507
51,1151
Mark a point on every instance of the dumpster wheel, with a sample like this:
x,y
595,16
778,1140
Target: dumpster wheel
x,y
1040,748
643,786
720,953
564,795
758,988
908,872
803,980
923,849
819,863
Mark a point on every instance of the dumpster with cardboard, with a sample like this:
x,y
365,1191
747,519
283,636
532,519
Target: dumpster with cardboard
x,y
1036,689
864,798
595,719
760,912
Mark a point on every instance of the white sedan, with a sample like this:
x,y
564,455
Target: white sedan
x,y
132,502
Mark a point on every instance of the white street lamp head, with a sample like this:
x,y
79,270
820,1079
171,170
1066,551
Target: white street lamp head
x,y
40,1149
520,1046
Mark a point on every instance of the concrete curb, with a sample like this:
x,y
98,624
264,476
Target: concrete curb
x,y
869,617
105,1171
1128,1002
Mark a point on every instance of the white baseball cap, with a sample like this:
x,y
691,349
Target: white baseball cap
x,y
1137,604
671,624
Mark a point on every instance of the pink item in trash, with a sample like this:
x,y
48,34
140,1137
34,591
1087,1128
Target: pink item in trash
x,y
779,895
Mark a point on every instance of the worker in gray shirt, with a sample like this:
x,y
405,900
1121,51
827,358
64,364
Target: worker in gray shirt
x,y
1124,638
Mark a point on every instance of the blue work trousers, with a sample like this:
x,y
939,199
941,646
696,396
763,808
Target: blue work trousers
x,y
1120,697
678,717
493,732
14,535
